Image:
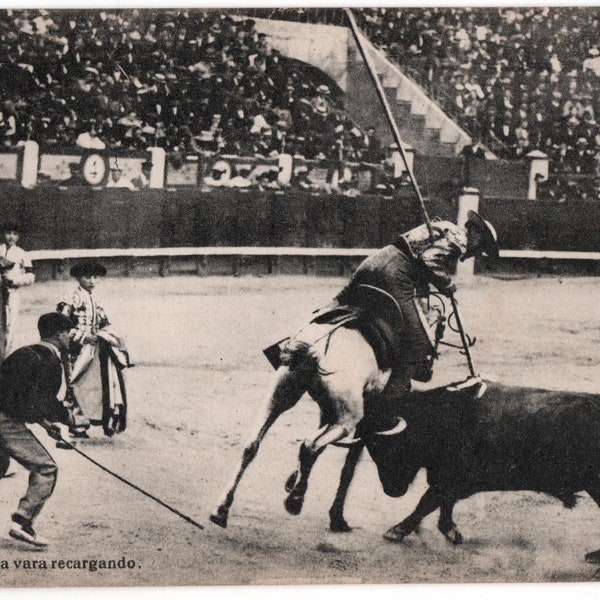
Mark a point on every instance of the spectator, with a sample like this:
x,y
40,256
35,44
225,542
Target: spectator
x,y
16,272
242,178
89,140
320,102
219,175
372,152
118,179
76,177
142,181
474,149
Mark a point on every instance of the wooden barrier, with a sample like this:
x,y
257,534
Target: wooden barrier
x,y
250,260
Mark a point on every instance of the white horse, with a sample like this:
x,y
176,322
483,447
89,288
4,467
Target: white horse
x,y
338,368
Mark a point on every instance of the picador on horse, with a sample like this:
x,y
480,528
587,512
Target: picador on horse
x,y
388,297
357,356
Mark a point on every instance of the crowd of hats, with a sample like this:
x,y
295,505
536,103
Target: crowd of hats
x,y
186,80
520,78
205,81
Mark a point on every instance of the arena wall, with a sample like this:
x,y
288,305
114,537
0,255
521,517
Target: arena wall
x,y
82,220
116,218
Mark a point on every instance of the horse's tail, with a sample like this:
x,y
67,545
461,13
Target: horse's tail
x,y
297,353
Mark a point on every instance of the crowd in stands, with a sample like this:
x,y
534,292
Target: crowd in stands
x,y
196,81
521,78
188,81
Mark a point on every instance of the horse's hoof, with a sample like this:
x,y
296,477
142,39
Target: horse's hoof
x,y
340,526
220,520
454,536
293,504
290,484
395,534
593,557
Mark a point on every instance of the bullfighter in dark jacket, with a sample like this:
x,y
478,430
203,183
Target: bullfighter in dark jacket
x,y
404,270
31,380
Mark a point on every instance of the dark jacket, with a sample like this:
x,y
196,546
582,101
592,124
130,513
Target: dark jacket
x,y
30,379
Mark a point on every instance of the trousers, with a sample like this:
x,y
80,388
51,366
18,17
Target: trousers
x,y
19,443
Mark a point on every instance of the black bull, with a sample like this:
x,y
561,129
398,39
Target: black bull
x,y
511,438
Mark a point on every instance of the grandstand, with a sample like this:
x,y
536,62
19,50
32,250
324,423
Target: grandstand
x,y
250,103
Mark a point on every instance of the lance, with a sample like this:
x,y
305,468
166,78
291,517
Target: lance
x,y
137,488
396,135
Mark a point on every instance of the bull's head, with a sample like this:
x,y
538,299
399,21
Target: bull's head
x,y
350,440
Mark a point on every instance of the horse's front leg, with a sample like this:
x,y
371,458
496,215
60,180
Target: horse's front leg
x,y
350,411
287,388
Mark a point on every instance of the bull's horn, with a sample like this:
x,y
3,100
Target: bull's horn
x,y
398,428
348,441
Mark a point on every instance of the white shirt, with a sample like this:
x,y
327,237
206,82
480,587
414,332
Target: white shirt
x,y
86,140
22,262
122,182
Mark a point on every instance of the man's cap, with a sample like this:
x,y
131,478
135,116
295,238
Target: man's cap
x,y
11,226
87,268
489,244
52,323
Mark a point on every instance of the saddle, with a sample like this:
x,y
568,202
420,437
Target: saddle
x,y
372,311
380,321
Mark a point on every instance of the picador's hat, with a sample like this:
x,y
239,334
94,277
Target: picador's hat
x,y
87,268
489,244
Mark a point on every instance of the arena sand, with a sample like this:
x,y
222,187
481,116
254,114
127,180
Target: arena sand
x,y
194,392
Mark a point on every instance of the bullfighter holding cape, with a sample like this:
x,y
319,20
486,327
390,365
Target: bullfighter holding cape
x,y
98,357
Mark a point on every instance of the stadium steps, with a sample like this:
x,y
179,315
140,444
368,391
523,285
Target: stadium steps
x,y
435,148
422,123
418,116
416,124
431,134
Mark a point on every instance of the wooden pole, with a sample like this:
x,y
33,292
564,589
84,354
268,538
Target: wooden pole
x,y
396,134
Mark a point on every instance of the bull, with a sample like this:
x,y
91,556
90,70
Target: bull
x,y
506,438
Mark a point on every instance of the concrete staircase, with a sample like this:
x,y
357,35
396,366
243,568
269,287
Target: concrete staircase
x,y
421,122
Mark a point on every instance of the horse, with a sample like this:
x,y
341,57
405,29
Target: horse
x,y
338,364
